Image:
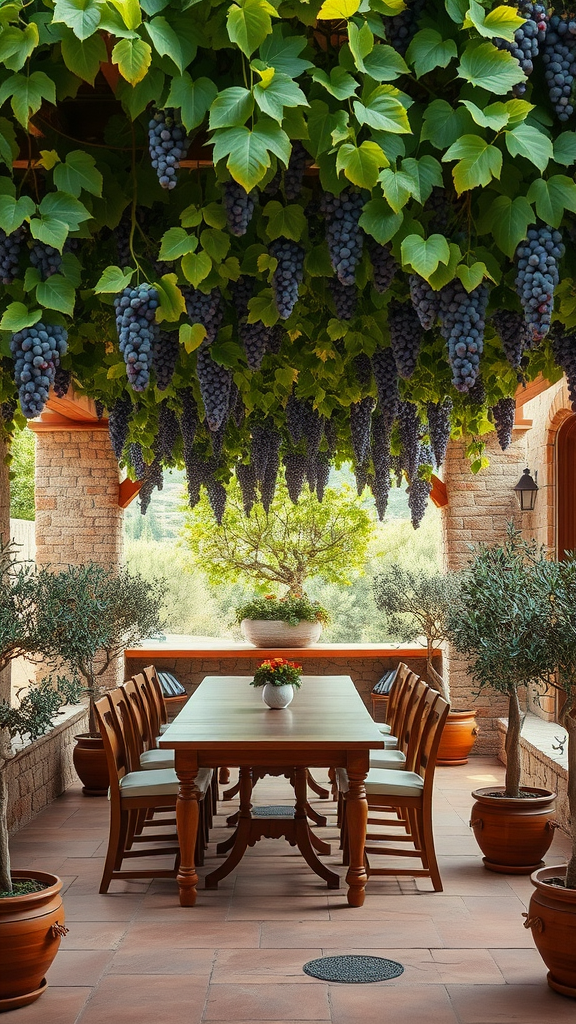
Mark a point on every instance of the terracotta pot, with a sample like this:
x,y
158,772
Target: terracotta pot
x,y
90,763
274,633
30,931
513,834
458,738
552,918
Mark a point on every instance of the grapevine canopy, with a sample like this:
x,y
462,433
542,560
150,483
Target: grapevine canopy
x,y
331,179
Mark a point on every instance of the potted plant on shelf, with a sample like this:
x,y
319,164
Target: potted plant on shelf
x,y
416,605
283,547
279,678
97,613
290,621
500,623
31,913
552,910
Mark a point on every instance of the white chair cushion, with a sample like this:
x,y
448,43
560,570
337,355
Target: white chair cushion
x,y
385,729
386,782
387,759
160,782
164,727
390,742
157,759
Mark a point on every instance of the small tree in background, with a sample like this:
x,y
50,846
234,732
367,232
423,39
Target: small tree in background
x,y
286,546
25,631
95,615
416,604
501,623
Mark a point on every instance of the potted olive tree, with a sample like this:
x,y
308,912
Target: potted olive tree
x,y
416,604
552,912
31,914
96,613
500,623
283,547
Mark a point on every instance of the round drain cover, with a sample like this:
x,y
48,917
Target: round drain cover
x,y
353,970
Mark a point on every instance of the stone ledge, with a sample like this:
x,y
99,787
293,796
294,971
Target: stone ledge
x,y
542,766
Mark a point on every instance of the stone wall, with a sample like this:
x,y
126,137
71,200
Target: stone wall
x,y
190,671
42,770
543,766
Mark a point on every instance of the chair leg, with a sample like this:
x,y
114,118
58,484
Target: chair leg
x,y
428,849
116,839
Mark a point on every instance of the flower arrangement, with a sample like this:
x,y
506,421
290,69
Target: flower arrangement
x,y
279,672
288,609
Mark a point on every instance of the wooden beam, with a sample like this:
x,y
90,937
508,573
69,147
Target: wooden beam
x,y
127,491
74,406
56,421
532,390
438,494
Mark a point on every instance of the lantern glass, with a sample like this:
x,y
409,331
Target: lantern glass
x,y
526,490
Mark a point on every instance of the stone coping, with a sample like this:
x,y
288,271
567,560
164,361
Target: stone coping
x,y
182,646
542,737
65,719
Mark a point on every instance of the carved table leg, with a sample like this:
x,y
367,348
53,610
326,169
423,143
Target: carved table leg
x,y
357,818
303,834
187,814
242,834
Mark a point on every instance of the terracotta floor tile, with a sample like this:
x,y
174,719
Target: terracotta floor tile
x,y
184,934
196,963
269,908
490,928
270,966
137,999
94,907
510,1004
467,967
434,905
265,1002
93,935
79,967
56,1005
373,1004
390,930
520,966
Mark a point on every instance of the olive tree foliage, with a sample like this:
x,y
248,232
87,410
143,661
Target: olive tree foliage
x,y
286,546
416,604
25,630
501,624
96,613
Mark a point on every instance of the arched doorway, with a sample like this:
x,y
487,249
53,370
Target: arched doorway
x,y
566,487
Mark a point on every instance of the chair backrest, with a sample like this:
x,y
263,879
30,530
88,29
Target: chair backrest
x,y
432,720
156,695
139,716
117,757
402,672
409,682
408,736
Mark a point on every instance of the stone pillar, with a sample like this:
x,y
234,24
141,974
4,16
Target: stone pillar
x,y
78,518
479,509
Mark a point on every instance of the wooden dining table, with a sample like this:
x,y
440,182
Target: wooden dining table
x,y
225,722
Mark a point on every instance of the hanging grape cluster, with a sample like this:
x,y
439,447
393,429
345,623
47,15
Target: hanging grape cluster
x,y
360,424
46,259
381,460
164,358
168,146
215,387
137,331
204,308
514,334
401,28
36,352
343,233
294,173
409,425
527,39
384,266
62,379
238,207
287,277
559,59
462,321
439,427
168,432
386,377
564,349
425,300
265,459
118,422
537,276
406,336
345,297
10,247
503,413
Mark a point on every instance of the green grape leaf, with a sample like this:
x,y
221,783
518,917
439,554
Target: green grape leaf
x,y
13,212
509,220
384,64
64,207
172,304
249,22
565,149
287,221
494,116
56,293
78,172
114,280
83,56
340,84
378,220
443,125
484,65
17,316
133,57
530,143
502,21
214,216
17,45
361,164
49,230
231,107
428,51
361,43
478,162
338,9
472,276
176,243
424,255
196,267
216,243
383,112
82,16
424,173
445,271
283,53
27,93
397,188
166,41
191,336
129,11
263,307
135,98
552,197
279,93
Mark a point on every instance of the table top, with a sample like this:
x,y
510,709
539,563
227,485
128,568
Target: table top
x,y
225,711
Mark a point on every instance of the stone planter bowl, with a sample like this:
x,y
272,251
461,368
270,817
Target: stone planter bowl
x,y
275,633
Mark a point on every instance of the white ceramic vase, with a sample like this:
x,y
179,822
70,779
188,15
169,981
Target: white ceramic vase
x,y
277,697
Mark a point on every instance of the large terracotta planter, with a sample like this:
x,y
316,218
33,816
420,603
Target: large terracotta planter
x,y
458,738
274,633
513,834
31,927
89,759
552,918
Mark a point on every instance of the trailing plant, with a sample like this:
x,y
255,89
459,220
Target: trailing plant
x,y
175,147
290,609
95,614
417,604
285,545
278,672
501,623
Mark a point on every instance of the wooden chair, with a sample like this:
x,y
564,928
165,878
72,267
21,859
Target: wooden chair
x,y
402,756
409,792
399,695
133,793
143,752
